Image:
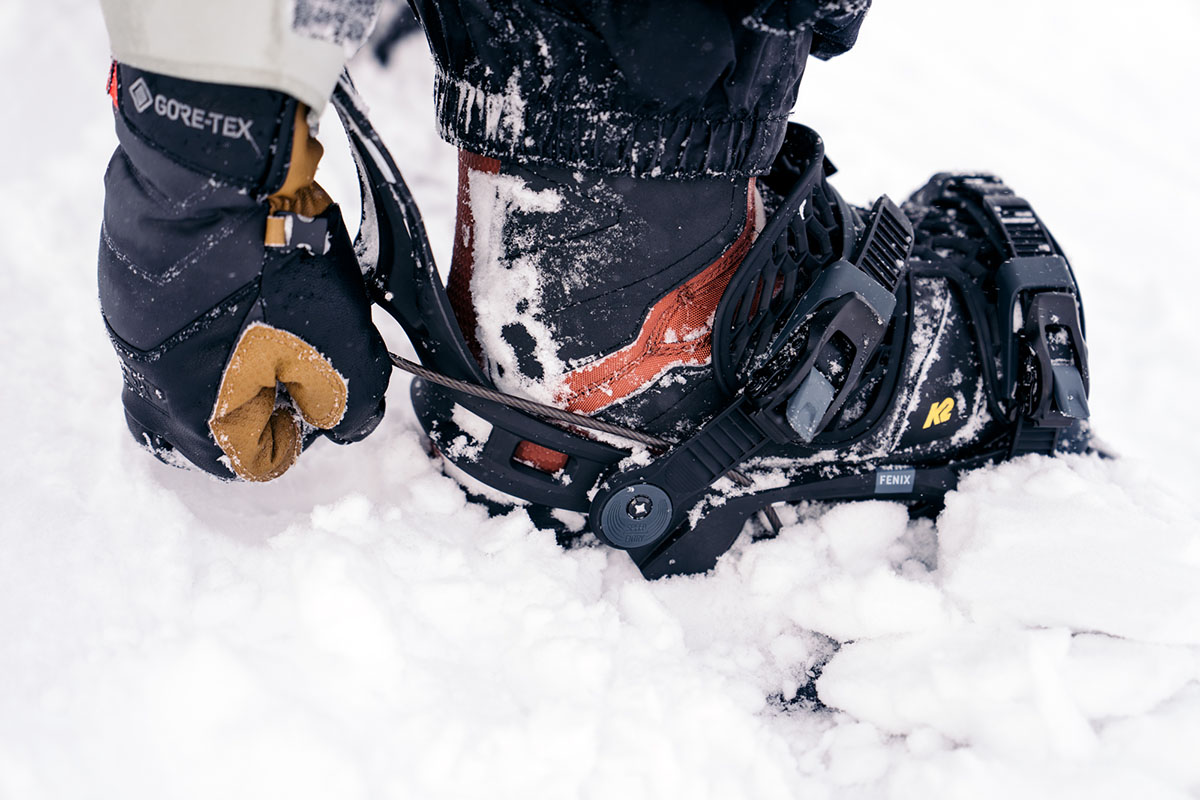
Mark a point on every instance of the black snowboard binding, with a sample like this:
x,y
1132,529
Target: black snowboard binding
x,y
864,354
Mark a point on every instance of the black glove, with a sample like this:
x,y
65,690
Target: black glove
x,y
228,282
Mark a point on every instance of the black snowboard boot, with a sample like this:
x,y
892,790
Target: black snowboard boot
x,y
781,345
596,293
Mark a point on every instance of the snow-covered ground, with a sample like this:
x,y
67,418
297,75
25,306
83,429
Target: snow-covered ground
x,y
357,630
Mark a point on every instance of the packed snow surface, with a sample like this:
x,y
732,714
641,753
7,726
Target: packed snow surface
x,y
357,629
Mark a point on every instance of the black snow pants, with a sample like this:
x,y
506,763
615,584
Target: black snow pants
x,y
671,88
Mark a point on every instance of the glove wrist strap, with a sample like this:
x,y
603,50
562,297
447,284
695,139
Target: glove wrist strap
x,y
238,135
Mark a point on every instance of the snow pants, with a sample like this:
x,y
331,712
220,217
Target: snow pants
x,y
676,88
672,88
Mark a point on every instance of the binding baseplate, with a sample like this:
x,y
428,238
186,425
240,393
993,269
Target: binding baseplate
x,y
863,354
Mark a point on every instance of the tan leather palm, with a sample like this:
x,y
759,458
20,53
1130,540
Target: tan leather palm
x,y
262,440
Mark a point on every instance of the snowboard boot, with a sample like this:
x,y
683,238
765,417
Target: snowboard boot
x,y
947,337
780,345
597,293
832,353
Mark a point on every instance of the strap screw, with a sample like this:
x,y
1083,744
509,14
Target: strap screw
x,y
639,507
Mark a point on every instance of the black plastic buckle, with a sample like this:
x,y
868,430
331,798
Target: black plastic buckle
x,y
1043,351
815,362
820,353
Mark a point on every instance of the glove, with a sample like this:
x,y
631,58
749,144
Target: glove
x,y
228,282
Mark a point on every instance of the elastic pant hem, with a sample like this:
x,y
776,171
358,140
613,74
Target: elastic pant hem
x,y
507,126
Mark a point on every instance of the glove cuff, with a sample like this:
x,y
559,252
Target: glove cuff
x,y
237,135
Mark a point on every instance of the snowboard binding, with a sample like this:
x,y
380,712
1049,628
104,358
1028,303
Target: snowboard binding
x,y
863,354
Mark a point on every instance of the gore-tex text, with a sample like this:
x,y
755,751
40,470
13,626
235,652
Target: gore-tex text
x,y
227,125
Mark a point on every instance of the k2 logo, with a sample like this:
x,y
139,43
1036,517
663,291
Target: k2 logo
x,y
939,413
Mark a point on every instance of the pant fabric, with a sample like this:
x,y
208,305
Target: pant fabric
x,y
671,88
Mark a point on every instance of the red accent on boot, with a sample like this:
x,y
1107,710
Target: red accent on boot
x,y
462,262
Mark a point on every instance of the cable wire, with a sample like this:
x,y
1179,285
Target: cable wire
x,y
529,406
560,415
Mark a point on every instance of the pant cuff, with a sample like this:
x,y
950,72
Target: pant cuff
x,y
506,126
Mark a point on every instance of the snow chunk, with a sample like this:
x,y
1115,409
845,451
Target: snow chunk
x,y
1068,542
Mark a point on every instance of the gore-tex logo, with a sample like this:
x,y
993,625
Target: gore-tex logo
x,y
141,94
226,125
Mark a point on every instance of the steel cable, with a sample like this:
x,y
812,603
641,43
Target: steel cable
x,y
560,415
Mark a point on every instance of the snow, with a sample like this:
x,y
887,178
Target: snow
x,y
356,629
509,292
1076,569
503,113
